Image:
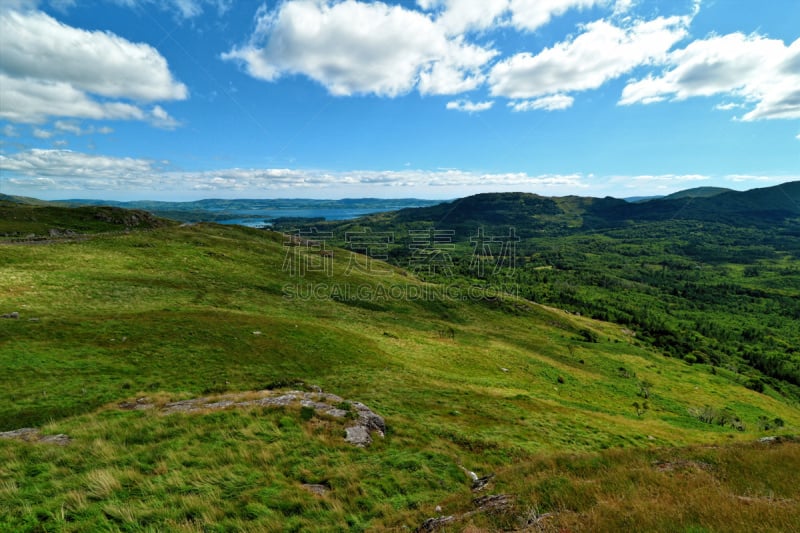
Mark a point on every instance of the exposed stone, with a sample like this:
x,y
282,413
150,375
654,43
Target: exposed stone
x,y
359,433
314,488
433,524
27,434
13,314
35,435
60,439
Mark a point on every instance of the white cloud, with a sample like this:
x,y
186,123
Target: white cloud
x,y
184,9
554,102
533,14
353,47
40,133
68,127
161,119
10,131
601,52
65,170
727,106
55,163
72,68
755,180
469,106
459,16
798,137
761,72
68,170
73,127
663,180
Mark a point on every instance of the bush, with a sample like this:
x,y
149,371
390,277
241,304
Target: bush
x,y
755,384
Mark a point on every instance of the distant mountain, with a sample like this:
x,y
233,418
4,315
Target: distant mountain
x,y
531,214
8,199
698,192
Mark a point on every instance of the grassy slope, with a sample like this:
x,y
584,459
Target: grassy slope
x,y
171,314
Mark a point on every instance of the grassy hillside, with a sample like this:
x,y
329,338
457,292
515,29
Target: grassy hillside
x,y
724,292
473,379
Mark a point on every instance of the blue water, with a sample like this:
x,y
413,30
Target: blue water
x,y
266,216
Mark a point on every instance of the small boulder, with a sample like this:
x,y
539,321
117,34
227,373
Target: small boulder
x,y
358,435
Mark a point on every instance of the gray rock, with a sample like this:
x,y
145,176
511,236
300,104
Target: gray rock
x,y
13,315
21,434
35,435
434,524
314,488
60,439
358,435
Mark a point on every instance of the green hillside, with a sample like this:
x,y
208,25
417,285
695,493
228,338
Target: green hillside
x,y
586,424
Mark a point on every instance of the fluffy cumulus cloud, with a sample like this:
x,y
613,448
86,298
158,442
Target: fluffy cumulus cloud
x,y
358,47
763,73
576,64
353,47
468,106
77,73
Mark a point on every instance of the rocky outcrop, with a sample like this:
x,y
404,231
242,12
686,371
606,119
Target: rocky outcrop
x,y
365,422
35,435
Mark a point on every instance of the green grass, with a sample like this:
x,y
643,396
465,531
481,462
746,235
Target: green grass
x,y
171,314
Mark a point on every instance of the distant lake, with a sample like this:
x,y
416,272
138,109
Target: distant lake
x,y
256,218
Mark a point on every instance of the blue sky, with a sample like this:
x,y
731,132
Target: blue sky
x,y
188,99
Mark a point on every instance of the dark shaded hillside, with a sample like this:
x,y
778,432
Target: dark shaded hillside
x,y
25,220
491,208
756,207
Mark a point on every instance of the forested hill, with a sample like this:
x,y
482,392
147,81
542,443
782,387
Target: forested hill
x,y
533,214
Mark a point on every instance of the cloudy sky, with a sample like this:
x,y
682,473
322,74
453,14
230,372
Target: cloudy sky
x,y
187,99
